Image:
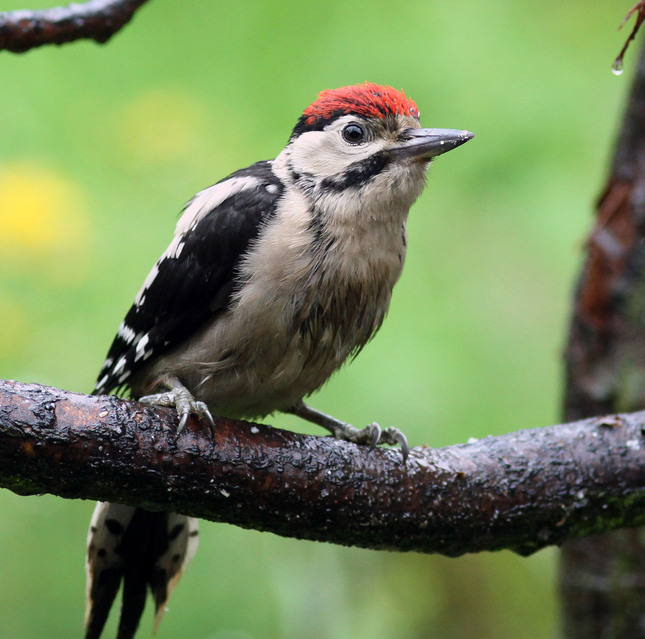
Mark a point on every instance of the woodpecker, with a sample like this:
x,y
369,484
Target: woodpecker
x,y
275,276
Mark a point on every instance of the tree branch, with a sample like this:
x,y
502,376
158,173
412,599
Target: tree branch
x,y
522,491
98,20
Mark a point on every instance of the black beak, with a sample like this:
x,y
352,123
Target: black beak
x,y
425,144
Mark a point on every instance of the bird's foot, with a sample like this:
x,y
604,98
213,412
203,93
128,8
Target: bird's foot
x,y
182,400
372,435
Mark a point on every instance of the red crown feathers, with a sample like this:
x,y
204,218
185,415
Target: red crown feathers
x,y
369,100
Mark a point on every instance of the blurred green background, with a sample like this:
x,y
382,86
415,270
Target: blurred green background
x,y
100,146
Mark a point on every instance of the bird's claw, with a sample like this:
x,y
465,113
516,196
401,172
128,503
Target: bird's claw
x,y
375,430
194,407
183,402
394,436
372,435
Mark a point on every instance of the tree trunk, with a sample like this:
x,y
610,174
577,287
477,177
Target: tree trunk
x,y
602,577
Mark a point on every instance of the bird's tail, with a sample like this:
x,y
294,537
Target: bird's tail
x,y
143,550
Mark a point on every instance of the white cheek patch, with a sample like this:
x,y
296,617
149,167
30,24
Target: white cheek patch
x,y
325,153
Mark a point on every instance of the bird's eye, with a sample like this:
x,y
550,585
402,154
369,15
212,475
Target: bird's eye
x,y
353,133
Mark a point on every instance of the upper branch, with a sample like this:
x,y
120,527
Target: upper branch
x,y
520,491
97,19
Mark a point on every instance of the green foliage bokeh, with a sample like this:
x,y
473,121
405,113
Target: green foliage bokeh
x,y
100,146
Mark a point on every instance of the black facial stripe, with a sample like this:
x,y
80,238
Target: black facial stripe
x,y
357,174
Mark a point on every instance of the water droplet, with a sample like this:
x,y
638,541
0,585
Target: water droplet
x,y
617,66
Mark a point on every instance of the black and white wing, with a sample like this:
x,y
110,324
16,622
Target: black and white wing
x,y
194,278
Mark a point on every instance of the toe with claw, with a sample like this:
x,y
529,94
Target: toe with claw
x,y
181,399
394,436
372,435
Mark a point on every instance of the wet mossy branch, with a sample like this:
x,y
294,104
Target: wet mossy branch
x,y
521,491
97,20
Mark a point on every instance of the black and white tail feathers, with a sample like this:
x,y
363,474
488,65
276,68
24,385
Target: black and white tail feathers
x,y
141,549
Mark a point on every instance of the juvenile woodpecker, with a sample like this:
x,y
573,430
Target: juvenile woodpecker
x,y
274,277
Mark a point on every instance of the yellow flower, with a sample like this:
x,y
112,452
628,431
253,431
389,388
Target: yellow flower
x,y
40,210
